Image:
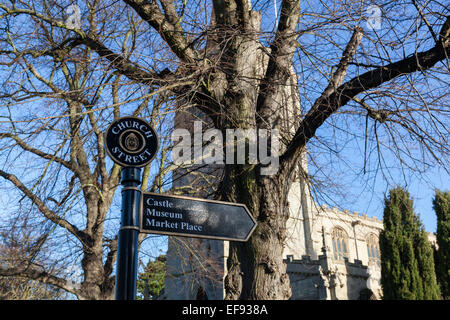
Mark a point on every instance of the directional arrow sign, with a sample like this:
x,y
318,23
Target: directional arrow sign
x,y
193,217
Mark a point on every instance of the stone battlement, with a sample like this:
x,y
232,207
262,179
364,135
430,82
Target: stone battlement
x,y
347,213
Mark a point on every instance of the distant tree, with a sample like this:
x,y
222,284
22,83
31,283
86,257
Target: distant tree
x,y
441,205
151,281
425,262
407,265
19,246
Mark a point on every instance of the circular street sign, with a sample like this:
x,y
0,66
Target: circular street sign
x,y
131,142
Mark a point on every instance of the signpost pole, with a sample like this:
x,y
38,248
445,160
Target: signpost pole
x,y
132,143
127,246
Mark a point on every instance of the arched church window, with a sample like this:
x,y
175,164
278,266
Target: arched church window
x,y
340,243
373,249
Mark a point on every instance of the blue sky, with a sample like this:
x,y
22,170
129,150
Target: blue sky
x,y
421,191
338,151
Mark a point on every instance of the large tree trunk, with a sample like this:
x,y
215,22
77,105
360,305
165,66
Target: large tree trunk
x,y
255,268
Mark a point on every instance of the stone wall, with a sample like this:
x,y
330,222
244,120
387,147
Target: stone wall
x,y
323,280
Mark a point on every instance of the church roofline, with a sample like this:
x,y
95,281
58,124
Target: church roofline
x,y
349,214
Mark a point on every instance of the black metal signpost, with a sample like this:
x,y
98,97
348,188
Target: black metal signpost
x,y
132,143
127,245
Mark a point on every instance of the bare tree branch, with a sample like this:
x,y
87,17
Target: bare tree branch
x,y
49,214
35,273
167,25
325,106
38,152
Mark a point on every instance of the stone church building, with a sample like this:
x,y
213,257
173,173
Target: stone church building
x,y
329,254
